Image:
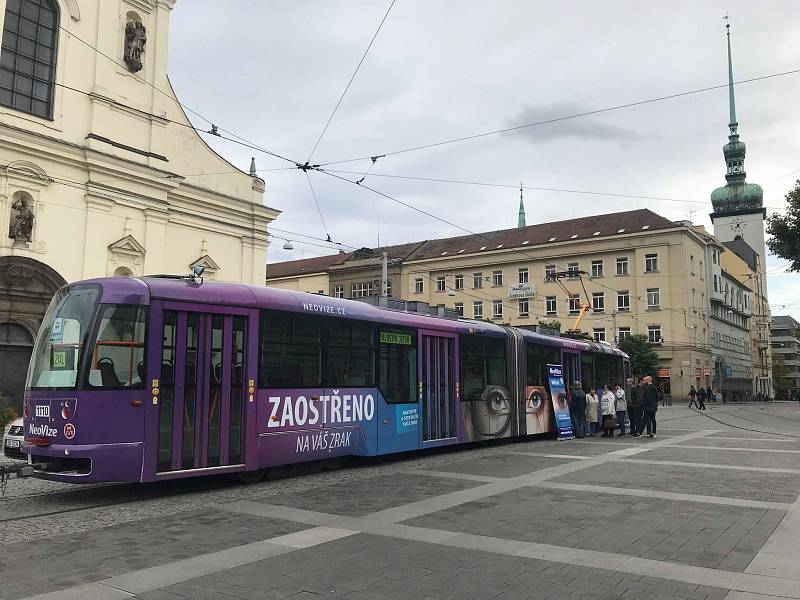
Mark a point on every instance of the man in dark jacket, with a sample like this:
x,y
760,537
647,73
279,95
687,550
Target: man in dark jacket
x,y
701,398
577,410
650,406
635,408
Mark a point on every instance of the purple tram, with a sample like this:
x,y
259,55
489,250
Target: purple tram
x,y
160,377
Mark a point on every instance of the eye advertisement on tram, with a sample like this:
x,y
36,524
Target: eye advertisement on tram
x,y
558,393
538,410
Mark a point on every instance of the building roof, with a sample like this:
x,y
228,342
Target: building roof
x,y
305,266
784,322
582,228
744,251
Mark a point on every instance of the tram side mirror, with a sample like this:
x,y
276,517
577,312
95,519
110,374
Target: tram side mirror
x,y
197,273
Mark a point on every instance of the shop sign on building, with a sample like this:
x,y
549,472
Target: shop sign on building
x,y
521,290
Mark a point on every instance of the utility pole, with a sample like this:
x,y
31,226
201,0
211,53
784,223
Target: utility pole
x,y
385,275
614,330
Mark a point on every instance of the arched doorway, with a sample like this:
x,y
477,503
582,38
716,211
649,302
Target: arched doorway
x,y
16,344
26,288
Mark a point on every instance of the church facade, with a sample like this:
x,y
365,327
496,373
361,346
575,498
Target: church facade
x,y
101,172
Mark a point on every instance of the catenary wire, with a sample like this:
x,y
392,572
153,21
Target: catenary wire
x,y
563,118
527,187
316,202
350,82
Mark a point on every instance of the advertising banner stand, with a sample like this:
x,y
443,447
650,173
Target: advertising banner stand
x,y
558,394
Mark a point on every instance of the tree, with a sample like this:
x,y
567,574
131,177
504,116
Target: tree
x,y
643,360
784,230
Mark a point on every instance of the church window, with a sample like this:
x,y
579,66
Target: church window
x,y
28,56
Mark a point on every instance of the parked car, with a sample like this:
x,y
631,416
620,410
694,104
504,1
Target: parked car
x,y
12,440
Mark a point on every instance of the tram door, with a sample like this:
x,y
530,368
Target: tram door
x,y
438,382
572,367
201,391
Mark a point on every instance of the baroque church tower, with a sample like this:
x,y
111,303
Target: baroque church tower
x,y
738,220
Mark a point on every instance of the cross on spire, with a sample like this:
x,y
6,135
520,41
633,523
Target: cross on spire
x,y
521,216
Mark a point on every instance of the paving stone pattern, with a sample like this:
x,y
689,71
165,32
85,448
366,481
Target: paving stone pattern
x,y
504,465
750,485
723,537
70,560
771,460
370,495
768,444
380,568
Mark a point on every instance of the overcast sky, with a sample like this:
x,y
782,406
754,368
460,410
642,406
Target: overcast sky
x,y
272,72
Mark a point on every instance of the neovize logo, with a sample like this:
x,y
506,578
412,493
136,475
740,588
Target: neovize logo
x,y
42,430
554,371
323,308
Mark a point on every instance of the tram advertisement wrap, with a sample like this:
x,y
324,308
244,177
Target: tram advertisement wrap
x,y
309,424
558,393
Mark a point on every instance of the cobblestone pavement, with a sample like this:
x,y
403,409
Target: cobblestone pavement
x,y
707,510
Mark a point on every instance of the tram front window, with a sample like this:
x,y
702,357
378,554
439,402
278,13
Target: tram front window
x,y
62,338
118,357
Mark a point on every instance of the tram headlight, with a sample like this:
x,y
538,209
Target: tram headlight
x,y
67,410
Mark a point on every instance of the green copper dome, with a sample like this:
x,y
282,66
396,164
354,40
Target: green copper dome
x,y
737,196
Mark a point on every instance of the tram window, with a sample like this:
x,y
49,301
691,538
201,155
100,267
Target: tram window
x,y
350,350
291,354
397,366
587,371
536,361
483,363
118,357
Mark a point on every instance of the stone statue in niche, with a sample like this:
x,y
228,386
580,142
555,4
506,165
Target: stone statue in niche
x,y
135,39
21,228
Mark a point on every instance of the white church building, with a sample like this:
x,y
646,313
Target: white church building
x,y
101,172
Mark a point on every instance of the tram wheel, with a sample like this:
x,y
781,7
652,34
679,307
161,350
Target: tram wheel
x,y
333,464
250,477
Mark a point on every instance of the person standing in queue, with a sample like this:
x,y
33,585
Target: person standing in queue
x,y
592,412
621,407
693,397
635,408
577,410
649,406
701,398
608,409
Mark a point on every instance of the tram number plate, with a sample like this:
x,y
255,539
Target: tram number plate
x,y
43,410
12,443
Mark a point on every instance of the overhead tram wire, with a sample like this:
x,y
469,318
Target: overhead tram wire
x,y
349,83
319,210
525,187
563,118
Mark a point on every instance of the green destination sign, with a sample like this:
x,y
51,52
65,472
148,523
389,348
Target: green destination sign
x,y
392,337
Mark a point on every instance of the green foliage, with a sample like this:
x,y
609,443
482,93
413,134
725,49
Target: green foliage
x,y
784,230
643,360
553,324
7,413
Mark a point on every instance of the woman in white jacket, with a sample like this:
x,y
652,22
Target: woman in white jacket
x,y
608,410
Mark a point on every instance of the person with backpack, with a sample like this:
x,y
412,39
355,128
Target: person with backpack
x,y
701,398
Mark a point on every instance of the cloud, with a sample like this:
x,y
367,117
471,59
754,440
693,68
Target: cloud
x,y
586,128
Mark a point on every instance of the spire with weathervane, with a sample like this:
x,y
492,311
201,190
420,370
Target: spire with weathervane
x,y
521,217
737,196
